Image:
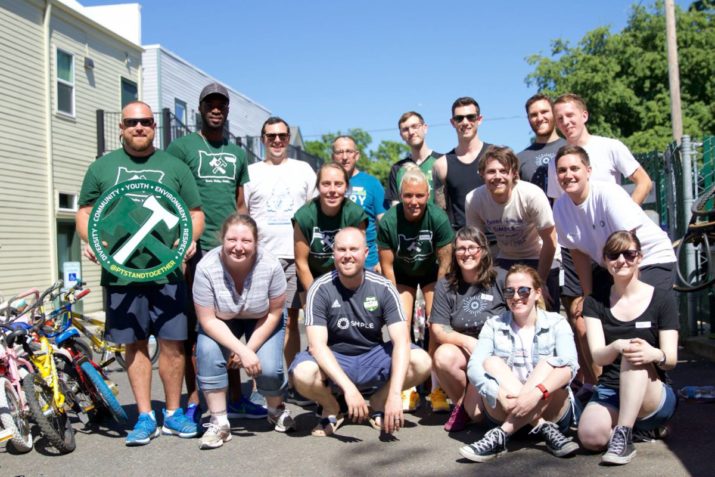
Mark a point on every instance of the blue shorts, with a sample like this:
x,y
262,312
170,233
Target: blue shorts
x,y
609,397
135,312
367,371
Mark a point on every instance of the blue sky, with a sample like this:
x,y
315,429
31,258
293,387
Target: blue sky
x,y
332,65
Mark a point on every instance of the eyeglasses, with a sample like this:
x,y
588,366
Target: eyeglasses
x,y
471,250
344,152
629,255
281,136
410,128
132,122
469,117
523,292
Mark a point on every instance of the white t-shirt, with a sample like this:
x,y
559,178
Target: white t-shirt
x,y
610,159
522,356
272,196
515,224
607,209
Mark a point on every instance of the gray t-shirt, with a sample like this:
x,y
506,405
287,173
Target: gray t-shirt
x,y
534,162
467,308
214,287
354,317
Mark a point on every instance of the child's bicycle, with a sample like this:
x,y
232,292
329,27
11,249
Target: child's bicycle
x,y
94,393
700,232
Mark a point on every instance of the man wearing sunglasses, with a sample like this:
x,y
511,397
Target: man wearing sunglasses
x,y
458,170
279,186
220,170
136,310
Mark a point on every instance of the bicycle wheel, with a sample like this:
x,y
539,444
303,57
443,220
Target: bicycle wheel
x,y
12,418
699,205
153,345
707,278
79,346
54,423
104,394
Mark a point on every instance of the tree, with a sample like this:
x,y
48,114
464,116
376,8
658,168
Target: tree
x,y
376,163
624,76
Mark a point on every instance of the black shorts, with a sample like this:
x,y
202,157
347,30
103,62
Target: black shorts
x,y
413,281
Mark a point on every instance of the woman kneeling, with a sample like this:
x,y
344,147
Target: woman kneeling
x,y
521,366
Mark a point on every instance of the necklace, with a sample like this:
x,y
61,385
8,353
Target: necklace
x,y
209,147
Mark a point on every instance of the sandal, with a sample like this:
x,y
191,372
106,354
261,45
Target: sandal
x,y
327,426
376,419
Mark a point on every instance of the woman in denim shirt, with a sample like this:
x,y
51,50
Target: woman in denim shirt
x,y
521,366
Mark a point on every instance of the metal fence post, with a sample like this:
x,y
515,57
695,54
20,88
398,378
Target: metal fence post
x,y
101,146
165,128
687,149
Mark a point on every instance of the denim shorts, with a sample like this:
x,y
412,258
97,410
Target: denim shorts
x,y
571,416
609,397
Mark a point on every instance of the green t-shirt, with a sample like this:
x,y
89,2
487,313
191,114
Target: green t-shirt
x,y
414,244
426,168
320,230
219,171
117,167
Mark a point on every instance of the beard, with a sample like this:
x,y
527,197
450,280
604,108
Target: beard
x,y
209,125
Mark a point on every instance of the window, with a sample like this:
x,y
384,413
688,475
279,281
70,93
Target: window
x,y
180,111
129,92
65,82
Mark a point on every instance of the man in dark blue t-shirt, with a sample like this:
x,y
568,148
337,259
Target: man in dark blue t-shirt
x,y
345,312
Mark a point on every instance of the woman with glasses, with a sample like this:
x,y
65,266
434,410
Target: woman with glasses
x,y
632,332
464,299
316,223
522,365
414,242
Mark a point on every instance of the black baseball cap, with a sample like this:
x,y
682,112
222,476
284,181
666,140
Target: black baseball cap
x,y
214,88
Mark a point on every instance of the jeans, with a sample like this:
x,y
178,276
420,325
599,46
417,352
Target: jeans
x,y
212,357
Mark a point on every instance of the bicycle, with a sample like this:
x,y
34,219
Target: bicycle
x,y
700,232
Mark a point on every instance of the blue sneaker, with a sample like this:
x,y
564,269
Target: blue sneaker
x,y
179,425
144,430
193,413
245,409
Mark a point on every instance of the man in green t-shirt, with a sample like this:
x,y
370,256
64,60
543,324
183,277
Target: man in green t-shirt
x,y
220,170
134,311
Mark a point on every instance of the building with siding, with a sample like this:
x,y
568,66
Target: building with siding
x,y
61,62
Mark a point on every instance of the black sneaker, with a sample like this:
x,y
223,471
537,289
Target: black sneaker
x,y
293,397
620,447
489,447
557,443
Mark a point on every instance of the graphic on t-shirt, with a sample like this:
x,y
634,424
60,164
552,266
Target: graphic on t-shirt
x,y
358,195
413,249
473,305
324,242
370,303
124,175
279,206
220,165
336,304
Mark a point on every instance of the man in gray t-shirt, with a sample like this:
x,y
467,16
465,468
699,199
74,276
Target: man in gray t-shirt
x,y
345,312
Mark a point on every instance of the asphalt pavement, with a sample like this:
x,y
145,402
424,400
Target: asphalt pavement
x,y
422,448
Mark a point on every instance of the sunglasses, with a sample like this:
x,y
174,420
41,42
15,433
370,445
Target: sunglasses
x,y
132,122
629,255
281,136
469,117
523,292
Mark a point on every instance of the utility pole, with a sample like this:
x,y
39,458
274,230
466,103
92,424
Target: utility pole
x,y
676,114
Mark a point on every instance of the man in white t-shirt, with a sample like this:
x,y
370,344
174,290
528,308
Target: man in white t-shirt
x,y
519,215
278,187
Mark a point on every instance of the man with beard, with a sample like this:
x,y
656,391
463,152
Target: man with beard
x,y
220,170
134,310
458,169
413,131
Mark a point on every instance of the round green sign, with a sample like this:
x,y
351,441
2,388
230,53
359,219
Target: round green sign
x,y
133,229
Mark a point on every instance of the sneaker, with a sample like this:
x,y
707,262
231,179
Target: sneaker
x,y
620,447
245,409
294,397
179,425
458,420
410,400
557,443
489,447
193,413
281,420
438,400
144,430
214,436
257,398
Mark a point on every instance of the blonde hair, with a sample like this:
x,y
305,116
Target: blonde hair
x,y
413,174
535,280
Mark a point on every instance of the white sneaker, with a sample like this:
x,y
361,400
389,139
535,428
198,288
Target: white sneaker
x,y
215,436
282,420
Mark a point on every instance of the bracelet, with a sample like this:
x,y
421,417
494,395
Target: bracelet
x,y
543,390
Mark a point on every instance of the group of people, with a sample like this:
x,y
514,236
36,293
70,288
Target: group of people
x,y
483,233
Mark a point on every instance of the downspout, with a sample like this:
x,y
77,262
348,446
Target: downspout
x,y
159,100
51,206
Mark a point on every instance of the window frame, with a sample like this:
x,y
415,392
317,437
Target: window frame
x,y
71,84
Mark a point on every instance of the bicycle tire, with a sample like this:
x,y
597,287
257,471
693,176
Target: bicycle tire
x,y
56,427
698,207
682,284
12,418
153,345
79,346
105,395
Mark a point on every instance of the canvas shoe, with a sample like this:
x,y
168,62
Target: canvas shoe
x,y
489,447
620,447
557,443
